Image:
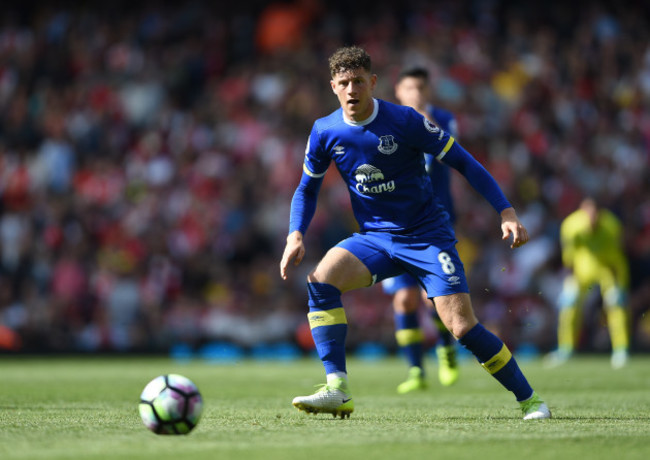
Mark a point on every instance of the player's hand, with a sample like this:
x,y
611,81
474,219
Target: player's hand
x,y
510,225
294,250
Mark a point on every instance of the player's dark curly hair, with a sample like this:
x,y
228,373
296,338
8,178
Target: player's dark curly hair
x,y
349,58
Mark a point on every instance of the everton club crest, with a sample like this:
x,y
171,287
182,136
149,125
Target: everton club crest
x,y
430,126
387,144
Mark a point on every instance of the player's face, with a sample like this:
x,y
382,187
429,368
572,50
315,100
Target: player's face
x,y
413,92
354,90
590,207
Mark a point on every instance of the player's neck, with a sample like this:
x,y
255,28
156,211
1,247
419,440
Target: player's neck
x,y
422,110
364,120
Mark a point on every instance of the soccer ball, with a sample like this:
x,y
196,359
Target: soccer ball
x,y
170,404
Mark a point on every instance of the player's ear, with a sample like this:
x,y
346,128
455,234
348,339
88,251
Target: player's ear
x,y
333,85
398,91
373,81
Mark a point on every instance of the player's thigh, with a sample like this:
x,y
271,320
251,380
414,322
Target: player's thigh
x,y
574,292
358,261
613,294
342,269
406,292
456,312
407,299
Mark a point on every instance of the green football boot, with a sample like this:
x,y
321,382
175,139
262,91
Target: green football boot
x,y
415,381
534,408
447,365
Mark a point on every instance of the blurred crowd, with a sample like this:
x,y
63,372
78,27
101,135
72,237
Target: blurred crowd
x,y
149,152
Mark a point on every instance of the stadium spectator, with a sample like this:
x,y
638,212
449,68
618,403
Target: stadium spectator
x,y
169,122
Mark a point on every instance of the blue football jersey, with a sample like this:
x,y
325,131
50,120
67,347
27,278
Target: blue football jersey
x,y
382,162
440,173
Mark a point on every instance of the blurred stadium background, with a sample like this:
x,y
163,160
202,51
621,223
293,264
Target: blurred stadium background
x,y
149,152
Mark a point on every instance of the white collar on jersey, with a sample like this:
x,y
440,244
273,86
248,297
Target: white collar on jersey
x,y
370,119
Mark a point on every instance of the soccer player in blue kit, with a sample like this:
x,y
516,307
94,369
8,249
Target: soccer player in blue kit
x,y
412,89
378,149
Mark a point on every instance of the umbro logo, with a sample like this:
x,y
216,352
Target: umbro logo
x,y
339,150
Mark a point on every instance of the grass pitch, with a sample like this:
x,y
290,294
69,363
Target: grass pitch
x,y
86,408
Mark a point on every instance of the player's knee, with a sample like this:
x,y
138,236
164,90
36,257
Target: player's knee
x,y
569,295
342,270
614,297
323,273
460,328
313,278
325,276
456,313
458,325
406,300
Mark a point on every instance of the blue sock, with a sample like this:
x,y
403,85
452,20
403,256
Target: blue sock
x,y
328,325
409,337
445,338
495,358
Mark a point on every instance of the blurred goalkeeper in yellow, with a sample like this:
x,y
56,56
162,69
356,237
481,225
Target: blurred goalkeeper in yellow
x,y
592,248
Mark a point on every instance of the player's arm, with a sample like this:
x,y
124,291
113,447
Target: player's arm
x,y
303,203
460,159
303,207
621,269
429,138
618,259
567,242
429,159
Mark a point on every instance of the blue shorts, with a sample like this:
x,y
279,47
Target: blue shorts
x,y
432,262
394,284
